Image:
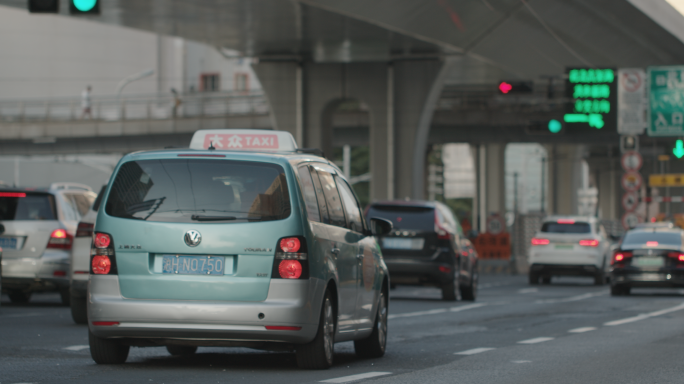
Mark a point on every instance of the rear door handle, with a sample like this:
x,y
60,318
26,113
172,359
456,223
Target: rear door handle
x,y
335,251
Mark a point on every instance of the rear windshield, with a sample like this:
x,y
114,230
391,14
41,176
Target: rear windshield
x,y
553,227
640,239
26,206
199,190
409,218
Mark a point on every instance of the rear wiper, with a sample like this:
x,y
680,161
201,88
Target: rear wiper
x,y
212,218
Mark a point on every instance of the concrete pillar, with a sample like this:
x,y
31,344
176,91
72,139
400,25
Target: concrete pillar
x,y
280,82
495,178
565,177
418,85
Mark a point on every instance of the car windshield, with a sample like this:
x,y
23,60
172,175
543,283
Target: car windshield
x,y
405,217
199,190
646,239
26,206
555,227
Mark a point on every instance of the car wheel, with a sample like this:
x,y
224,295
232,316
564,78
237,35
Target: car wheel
x,y
469,292
181,350
79,310
19,297
318,354
599,278
546,280
105,351
619,290
65,295
375,344
450,291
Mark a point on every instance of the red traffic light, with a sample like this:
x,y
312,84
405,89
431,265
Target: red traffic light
x,y
505,87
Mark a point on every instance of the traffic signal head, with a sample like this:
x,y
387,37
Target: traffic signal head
x,y
515,87
84,7
555,126
43,6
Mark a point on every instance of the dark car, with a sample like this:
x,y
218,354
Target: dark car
x,y
649,258
427,247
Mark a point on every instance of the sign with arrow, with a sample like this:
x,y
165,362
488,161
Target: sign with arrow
x,y
678,150
666,111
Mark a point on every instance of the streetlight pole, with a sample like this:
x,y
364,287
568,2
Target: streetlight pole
x,y
543,186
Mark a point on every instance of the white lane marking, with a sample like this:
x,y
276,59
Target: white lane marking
x,y
77,347
360,376
528,290
573,298
535,340
491,285
473,351
437,311
644,316
521,361
582,330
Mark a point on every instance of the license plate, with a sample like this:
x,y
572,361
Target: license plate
x,y
8,242
652,262
194,265
565,246
414,244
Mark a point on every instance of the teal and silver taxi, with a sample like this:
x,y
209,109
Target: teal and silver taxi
x,y
242,240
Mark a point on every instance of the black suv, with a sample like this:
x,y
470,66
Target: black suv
x,y
427,247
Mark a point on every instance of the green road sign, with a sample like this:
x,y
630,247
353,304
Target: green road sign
x,y
594,99
678,150
666,113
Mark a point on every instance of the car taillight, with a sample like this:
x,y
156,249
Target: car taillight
x,y
442,233
676,255
101,264
60,239
620,257
84,229
538,241
291,259
102,255
589,243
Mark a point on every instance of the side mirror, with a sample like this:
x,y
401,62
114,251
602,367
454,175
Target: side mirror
x,y
380,227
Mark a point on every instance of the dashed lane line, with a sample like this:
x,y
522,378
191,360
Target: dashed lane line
x,y
645,316
573,298
361,376
473,351
536,340
528,290
77,347
436,311
582,330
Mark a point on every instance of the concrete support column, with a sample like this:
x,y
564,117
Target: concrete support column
x,y
495,178
417,85
565,177
281,82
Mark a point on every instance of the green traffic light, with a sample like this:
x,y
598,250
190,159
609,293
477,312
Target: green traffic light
x,y
678,150
84,5
555,126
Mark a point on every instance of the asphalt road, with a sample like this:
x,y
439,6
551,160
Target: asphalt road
x,y
566,332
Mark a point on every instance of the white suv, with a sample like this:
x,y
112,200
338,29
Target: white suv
x,y
37,230
569,246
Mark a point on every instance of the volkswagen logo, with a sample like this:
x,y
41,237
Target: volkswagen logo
x,y
193,238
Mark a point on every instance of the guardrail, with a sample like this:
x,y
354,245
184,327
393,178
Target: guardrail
x,y
134,107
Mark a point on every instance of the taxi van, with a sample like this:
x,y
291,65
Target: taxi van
x,y
242,240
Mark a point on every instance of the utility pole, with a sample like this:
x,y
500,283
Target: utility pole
x,y
515,193
543,185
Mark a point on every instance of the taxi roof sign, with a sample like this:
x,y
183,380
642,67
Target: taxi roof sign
x,y
244,140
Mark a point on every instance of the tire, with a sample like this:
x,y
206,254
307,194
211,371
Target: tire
x,y
534,278
65,295
181,350
619,290
450,291
600,278
374,345
318,354
79,310
19,297
469,293
105,351
546,280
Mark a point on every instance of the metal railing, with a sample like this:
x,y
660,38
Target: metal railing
x,y
134,107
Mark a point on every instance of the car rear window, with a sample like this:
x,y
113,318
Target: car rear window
x,y
26,206
405,217
640,239
199,190
554,227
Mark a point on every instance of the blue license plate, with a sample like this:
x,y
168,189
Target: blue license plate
x,y
8,242
193,265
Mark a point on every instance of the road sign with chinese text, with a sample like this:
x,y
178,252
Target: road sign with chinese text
x,y
666,101
666,180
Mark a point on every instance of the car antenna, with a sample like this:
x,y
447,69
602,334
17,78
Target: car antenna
x,y
211,146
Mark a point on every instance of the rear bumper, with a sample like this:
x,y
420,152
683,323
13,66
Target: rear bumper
x,y
665,278
289,303
419,272
564,270
45,273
